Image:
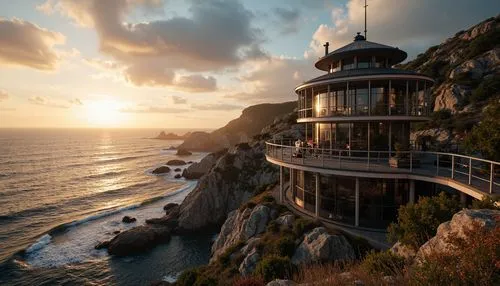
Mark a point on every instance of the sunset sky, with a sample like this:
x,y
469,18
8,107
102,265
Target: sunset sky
x,y
191,63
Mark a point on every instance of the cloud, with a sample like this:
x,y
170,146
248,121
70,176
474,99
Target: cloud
x,y
288,19
196,83
216,106
216,35
45,101
410,25
273,80
103,64
25,44
4,95
76,101
179,100
154,109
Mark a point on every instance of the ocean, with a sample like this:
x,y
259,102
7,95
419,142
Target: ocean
x,y
62,191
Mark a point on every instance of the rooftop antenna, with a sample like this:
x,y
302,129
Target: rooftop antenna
x,y
365,18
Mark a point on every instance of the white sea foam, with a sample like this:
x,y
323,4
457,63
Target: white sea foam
x,y
78,241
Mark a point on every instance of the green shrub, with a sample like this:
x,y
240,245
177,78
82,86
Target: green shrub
x,y
268,199
274,267
248,205
206,281
384,262
187,278
418,222
249,281
485,137
285,246
483,43
273,227
488,88
301,226
485,203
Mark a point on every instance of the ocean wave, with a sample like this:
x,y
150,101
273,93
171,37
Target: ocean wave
x,y
104,175
40,243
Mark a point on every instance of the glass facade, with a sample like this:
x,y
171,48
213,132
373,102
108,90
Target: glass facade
x,y
366,98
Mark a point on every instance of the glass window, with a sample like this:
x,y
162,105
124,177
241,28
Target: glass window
x,y
379,137
380,62
342,136
359,138
337,198
348,64
364,62
379,100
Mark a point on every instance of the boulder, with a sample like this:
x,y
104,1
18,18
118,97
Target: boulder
x,y
102,245
183,152
170,206
178,176
241,226
127,219
461,221
176,162
249,263
448,95
198,169
137,240
403,250
320,246
161,170
286,220
178,169
478,67
116,232
280,282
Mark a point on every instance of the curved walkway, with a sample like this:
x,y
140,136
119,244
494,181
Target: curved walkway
x,y
473,176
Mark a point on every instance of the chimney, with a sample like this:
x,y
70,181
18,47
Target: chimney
x,y
326,48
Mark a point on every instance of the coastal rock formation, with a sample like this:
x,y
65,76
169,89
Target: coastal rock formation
x,y
241,226
251,122
168,207
183,152
320,246
231,182
436,134
281,282
247,267
171,136
449,95
286,220
161,170
127,219
178,176
198,169
137,240
177,169
176,162
461,221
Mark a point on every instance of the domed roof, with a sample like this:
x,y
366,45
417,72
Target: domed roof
x,y
362,47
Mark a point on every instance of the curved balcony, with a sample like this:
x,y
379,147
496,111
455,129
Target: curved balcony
x,y
473,176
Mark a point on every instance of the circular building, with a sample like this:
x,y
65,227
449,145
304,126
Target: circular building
x,y
356,165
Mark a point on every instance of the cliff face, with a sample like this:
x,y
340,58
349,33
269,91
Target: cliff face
x,y
239,130
466,68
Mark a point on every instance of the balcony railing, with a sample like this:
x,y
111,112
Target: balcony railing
x,y
478,173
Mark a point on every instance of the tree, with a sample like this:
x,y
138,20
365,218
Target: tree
x,y
485,137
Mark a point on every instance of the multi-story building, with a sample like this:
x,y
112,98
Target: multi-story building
x,y
356,165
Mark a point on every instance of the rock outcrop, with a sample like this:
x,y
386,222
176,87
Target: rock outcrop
x,y
231,182
137,240
198,169
461,221
449,95
171,136
127,219
404,251
183,152
161,170
176,162
320,246
241,226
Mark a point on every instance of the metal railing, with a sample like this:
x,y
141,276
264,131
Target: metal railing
x,y
479,173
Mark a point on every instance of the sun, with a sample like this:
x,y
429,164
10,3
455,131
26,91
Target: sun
x,y
104,113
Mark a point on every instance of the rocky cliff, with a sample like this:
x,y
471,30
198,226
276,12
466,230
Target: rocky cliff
x,y
466,68
251,122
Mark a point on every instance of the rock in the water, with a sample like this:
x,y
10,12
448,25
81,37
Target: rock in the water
x,y
461,221
102,245
178,169
247,267
161,170
116,232
170,206
178,176
137,240
127,219
176,162
320,246
183,152
198,169
286,220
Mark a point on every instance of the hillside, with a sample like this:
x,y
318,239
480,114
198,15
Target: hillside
x,y
240,130
466,68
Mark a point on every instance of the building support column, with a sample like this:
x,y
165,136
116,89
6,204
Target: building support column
x,y
356,210
463,199
282,189
292,185
412,192
318,199
390,138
